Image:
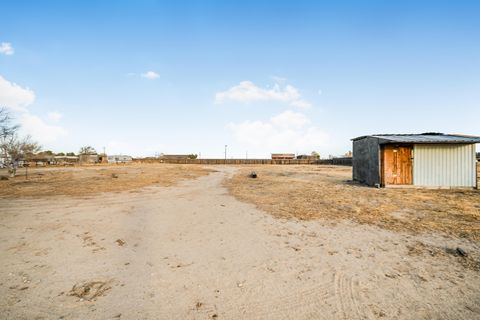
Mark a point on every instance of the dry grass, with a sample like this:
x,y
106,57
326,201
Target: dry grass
x,y
421,249
311,192
79,181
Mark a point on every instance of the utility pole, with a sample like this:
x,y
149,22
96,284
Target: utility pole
x,y
246,155
225,154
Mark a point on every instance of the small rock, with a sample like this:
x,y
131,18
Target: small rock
x,y
461,252
90,290
390,275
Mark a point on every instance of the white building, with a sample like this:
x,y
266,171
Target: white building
x,y
119,159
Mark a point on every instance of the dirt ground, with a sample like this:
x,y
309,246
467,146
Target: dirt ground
x,y
87,180
191,250
312,192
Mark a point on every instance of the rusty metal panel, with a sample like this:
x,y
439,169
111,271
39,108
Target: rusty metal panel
x,y
366,161
444,165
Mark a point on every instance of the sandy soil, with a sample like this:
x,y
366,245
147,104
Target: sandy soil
x,y
312,192
193,251
85,180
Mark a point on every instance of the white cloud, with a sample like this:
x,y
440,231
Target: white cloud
x,y
150,75
54,116
17,99
287,131
290,119
6,48
39,130
302,104
247,91
14,96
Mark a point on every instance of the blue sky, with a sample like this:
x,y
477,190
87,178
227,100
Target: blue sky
x,y
145,77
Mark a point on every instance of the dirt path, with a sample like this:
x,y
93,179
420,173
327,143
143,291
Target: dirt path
x,y
195,252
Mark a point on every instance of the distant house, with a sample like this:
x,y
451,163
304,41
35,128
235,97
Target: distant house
x,y
429,159
283,156
102,158
39,159
119,159
88,158
3,162
66,160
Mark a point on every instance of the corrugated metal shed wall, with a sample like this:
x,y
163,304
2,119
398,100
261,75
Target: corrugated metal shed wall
x,y
444,165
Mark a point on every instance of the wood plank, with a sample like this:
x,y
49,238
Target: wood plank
x,y
405,165
397,165
389,168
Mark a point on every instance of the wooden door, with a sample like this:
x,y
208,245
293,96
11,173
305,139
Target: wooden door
x,y
397,165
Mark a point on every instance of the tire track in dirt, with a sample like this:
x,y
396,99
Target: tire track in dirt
x,y
348,298
194,252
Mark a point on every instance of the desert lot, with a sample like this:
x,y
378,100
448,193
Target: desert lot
x,y
158,241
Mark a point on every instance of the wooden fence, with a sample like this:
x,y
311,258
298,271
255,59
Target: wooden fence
x,y
336,161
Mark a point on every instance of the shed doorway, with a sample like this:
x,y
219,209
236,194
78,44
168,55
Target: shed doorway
x,y
397,165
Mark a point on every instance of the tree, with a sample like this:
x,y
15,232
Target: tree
x,y
7,130
7,134
192,156
60,154
22,148
87,150
12,147
70,154
316,154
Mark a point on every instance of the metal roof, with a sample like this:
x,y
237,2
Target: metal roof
x,y
423,138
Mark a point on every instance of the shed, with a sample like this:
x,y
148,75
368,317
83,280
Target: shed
x,y
88,158
427,159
